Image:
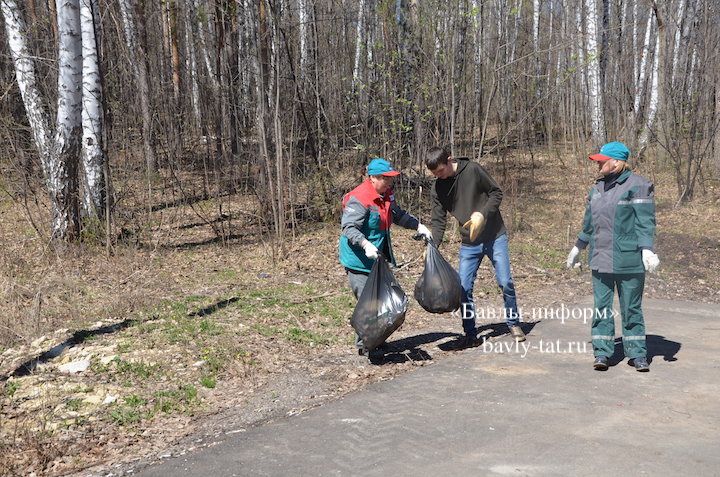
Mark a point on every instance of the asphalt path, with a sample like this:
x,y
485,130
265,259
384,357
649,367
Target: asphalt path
x,y
534,408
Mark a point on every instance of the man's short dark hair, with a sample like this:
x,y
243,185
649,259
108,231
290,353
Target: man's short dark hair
x,y
436,157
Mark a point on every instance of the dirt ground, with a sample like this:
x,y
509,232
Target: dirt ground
x,y
110,362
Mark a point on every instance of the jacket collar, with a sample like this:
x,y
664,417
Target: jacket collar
x,y
370,192
462,163
620,179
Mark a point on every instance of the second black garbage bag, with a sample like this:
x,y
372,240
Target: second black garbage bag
x,y
438,290
381,308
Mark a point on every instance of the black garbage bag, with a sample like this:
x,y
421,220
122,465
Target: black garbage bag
x,y
381,308
438,290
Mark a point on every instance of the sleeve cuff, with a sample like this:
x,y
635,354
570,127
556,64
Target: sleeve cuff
x,y
581,244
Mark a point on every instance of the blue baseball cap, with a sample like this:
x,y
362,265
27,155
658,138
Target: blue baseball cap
x,y
612,150
381,167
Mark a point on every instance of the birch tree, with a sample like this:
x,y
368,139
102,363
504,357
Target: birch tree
x,y
536,24
58,154
92,113
652,102
304,20
640,75
359,43
27,83
595,93
191,64
64,156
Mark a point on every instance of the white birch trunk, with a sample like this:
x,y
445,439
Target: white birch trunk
x,y
304,18
653,101
516,28
64,157
597,120
204,50
25,73
678,34
478,52
245,52
536,23
191,63
581,34
634,37
371,37
92,113
273,48
640,82
359,43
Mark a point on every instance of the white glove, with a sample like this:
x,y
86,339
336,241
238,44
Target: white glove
x,y
371,250
573,257
424,231
650,260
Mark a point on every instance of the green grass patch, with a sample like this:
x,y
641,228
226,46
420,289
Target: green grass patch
x,y
215,358
227,274
131,412
138,369
123,346
74,404
182,399
11,387
299,313
208,382
267,330
298,335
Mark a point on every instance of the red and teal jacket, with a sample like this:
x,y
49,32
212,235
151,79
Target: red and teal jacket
x,y
368,215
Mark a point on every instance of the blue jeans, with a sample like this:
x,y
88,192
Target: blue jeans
x,y
470,258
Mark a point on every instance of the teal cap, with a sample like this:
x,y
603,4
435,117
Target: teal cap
x,y
381,167
612,150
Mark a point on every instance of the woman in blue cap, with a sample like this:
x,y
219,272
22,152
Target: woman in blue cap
x,y
619,227
368,211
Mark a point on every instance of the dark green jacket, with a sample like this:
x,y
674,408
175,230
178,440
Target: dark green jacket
x,y
619,223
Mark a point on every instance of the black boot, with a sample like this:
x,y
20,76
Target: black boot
x,y
600,363
641,364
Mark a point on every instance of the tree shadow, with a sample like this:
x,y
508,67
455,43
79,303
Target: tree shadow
x,y
77,338
221,218
239,238
656,346
186,200
208,310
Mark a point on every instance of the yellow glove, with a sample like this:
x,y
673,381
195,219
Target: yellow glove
x,y
476,224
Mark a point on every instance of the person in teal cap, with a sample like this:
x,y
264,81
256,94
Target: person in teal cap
x,y
368,212
619,228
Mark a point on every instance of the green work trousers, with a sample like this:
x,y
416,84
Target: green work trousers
x,y
630,291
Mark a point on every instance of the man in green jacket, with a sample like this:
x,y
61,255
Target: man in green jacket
x,y
466,191
619,228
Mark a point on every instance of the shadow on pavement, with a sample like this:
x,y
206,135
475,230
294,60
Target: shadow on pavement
x,y
656,346
485,332
405,349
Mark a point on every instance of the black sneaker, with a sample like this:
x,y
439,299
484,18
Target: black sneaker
x,y
468,341
600,363
641,364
